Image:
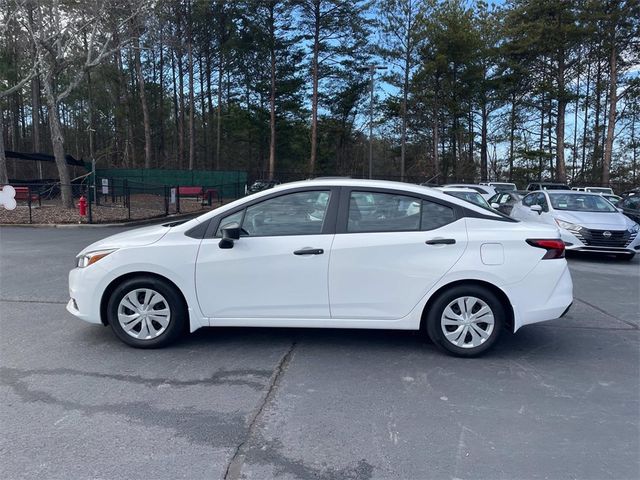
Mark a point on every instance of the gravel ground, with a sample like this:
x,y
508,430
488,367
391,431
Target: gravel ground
x,y
143,206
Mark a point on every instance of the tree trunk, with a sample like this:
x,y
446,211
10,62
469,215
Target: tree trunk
x,y
192,136
209,99
272,99
181,116
436,131
143,101
613,100
219,116
512,129
35,120
596,128
4,176
160,111
176,112
314,95
483,143
57,140
203,109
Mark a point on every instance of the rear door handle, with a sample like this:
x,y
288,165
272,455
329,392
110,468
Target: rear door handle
x,y
309,251
441,241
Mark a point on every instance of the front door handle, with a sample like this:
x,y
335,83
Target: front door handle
x,y
309,251
441,241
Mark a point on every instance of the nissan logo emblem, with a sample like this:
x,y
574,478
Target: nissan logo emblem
x,y
606,234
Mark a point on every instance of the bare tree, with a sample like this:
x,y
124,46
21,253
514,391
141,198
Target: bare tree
x,y
57,31
6,18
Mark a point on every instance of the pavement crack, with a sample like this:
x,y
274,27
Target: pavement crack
x,y
604,312
22,300
234,467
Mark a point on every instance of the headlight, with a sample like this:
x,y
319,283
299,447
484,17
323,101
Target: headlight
x,y
635,228
90,258
572,227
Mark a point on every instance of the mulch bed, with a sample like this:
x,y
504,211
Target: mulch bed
x,y
143,206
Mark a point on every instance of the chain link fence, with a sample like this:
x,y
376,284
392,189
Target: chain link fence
x,y
113,200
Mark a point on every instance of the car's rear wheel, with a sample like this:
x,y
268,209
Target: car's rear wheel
x,y
465,320
146,312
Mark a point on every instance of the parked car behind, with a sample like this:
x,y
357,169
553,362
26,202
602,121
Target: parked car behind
x,y
467,194
631,207
260,185
502,186
532,187
485,190
587,222
614,199
504,201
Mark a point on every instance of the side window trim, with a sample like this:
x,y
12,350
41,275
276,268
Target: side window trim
x,y
329,224
345,197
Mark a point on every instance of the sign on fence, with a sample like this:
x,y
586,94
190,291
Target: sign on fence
x,y
105,186
172,198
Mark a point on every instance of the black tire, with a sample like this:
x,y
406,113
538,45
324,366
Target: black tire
x,y
178,319
627,257
437,308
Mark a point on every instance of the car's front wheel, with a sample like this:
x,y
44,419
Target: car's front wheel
x,y
146,312
465,320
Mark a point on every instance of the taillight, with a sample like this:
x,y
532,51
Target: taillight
x,y
554,247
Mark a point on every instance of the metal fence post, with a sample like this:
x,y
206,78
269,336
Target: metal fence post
x,y
90,210
166,200
29,201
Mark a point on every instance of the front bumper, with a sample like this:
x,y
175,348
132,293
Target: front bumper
x,y
85,293
593,241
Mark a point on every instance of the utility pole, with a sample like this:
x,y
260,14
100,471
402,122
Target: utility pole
x,y
372,69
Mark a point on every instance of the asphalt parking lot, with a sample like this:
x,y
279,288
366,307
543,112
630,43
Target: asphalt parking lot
x,y
558,400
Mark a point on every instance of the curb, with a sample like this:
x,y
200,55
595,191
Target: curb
x,y
134,223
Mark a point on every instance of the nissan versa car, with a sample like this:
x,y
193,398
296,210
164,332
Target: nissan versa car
x,y
587,221
335,253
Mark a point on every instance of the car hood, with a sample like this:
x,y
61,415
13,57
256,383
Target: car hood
x,y
137,237
596,220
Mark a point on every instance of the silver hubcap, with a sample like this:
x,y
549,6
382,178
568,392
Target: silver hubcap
x,y
467,322
144,313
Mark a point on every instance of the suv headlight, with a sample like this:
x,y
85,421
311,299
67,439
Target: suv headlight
x,y
90,258
635,228
572,227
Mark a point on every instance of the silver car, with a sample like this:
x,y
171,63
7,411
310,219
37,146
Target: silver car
x,y
587,221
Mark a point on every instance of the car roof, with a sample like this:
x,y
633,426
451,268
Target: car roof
x,y
466,185
457,189
354,183
568,192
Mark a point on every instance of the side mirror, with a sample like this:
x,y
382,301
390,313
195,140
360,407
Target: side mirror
x,y
536,208
230,233
620,210
495,205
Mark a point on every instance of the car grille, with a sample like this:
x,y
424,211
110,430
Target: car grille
x,y
596,238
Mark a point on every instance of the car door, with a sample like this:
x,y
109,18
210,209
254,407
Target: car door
x,y
631,208
279,266
524,211
390,248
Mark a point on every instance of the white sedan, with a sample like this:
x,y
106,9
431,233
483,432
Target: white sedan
x,y
587,221
335,253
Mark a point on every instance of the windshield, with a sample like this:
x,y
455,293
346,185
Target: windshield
x,y
580,202
473,197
